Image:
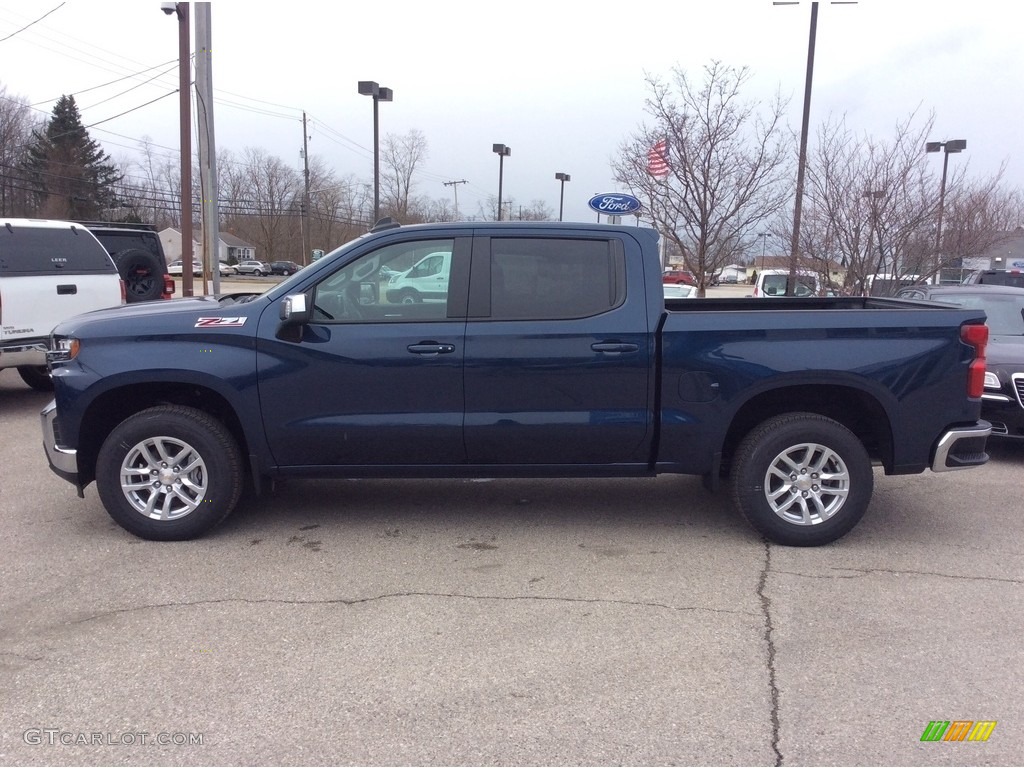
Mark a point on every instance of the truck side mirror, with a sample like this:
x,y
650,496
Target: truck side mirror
x,y
294,315
294,310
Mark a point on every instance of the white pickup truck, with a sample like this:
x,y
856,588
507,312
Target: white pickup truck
x,y
50,271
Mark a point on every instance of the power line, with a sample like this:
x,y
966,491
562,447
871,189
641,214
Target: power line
x,y
19,31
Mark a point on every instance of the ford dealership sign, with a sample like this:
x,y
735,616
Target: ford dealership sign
x,y
614,204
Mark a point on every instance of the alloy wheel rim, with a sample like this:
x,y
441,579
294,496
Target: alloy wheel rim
x,y
164,478
807,484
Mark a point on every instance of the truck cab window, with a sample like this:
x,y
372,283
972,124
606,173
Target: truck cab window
x,y
405,282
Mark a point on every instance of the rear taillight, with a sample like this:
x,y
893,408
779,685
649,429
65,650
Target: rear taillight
x,y
977,336
168,287
124,293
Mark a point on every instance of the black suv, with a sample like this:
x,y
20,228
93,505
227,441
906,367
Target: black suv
x,y
139,256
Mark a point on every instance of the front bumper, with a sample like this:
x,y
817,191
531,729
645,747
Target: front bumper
x,y
961,448
63,461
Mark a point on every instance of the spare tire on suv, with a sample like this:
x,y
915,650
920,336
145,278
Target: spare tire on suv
x,y
139,256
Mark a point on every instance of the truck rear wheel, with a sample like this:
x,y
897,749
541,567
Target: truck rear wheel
x,y
169,473
802,479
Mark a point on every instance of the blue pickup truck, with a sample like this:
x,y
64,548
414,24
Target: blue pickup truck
x,y
510,350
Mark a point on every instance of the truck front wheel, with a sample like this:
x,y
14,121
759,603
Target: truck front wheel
x,y
169,473
802,479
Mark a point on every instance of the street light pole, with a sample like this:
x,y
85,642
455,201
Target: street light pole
x,y
948,148
371,88
802,162
562,177
502,152
764,239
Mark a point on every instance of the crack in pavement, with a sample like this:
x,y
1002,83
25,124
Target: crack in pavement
x,y
392,595
860,573
769,639
24,657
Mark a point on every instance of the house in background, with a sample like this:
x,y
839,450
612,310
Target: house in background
x,y
230,249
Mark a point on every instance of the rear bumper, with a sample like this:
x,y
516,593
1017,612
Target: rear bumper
x,y
961,448
14,354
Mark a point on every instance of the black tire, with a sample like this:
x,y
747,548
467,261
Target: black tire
x,y
258,273
143,274
192,502
286,272
409,297
37,377
805,507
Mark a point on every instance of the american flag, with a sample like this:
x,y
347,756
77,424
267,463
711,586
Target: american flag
x,y
657,159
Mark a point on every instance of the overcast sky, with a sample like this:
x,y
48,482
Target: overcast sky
x,y
561,82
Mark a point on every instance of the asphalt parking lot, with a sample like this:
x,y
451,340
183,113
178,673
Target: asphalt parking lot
x,y
576,622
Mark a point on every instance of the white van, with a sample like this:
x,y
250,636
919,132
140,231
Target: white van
x,y
50,271
427,280
772,283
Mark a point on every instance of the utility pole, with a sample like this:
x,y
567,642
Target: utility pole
x,y
455,188
304,218
207,149
185,130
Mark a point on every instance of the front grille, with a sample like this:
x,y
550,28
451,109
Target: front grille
x,y
1018,386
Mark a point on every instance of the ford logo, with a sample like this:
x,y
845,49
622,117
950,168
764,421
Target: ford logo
x,y
614,204
1017,265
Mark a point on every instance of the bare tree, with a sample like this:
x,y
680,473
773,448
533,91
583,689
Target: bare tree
x,y
727,165
400,157
16,127
263,204
873,204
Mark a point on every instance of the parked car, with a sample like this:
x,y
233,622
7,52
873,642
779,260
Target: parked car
x,y
138,255
257,268
679,291
1003,400
555,353
678,276
1013,277
50,271
227,269
175,268
284,268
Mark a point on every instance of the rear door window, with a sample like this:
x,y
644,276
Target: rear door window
x,y
51,251
539,278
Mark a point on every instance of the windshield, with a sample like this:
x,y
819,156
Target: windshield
x,y
1005,312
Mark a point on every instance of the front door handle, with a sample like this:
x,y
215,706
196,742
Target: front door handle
x,y
67,290
614,346
431,348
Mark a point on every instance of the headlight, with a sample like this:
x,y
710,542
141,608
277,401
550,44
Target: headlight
x,y
992,381
62,349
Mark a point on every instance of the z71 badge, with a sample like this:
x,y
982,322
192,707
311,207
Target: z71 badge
x,y
220,322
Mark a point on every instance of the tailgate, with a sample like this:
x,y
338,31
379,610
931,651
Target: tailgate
x,y
31,305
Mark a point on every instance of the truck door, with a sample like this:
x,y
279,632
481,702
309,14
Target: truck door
x,y
559,353
372,380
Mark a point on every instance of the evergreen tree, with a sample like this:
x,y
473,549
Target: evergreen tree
x,y
73,178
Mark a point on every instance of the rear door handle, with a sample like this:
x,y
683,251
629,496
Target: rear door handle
x,y
67,290
431,348
614,347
